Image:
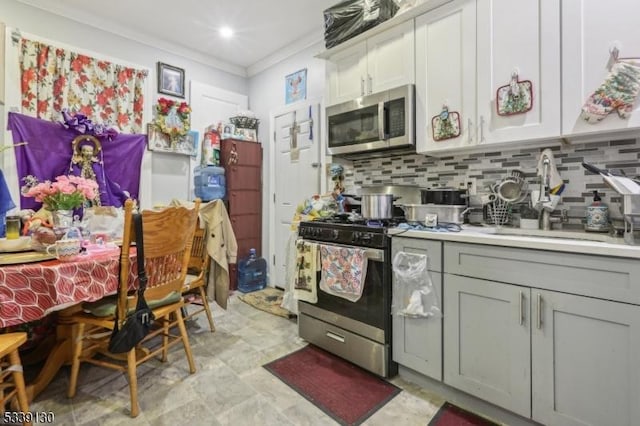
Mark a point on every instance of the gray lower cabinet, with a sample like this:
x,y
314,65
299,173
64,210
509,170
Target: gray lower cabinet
x,y
585,360
417,342
487,342
562,359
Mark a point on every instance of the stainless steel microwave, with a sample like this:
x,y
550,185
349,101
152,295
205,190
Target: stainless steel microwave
x,y
375,123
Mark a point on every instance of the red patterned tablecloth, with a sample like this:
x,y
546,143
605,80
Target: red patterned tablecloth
x,y
31,291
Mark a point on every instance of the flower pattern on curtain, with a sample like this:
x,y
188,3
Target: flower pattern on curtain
x,y
54,78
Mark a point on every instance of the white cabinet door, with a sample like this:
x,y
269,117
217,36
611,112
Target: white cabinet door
x,y
446,72
391,58
585,361
522,37
487,346
589,30
346,74
381,62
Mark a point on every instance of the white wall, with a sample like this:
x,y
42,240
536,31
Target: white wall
x,y
53,27
266,95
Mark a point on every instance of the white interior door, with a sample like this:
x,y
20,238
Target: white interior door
x,y
209,105
296,172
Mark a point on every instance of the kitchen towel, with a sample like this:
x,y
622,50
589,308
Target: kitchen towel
x,y
305,286
343,271
555,181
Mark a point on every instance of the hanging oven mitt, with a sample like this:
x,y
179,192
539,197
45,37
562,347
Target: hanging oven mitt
x,y
618,92
515,97
445,125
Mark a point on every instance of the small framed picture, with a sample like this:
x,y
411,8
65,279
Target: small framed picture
x,y
228,130
161,142
170,80
250,135
296,86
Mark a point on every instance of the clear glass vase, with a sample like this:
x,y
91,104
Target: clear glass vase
x,y
62,218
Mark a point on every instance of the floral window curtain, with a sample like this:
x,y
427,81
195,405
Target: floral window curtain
x,y
54,78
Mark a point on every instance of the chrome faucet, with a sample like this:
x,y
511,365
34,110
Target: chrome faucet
x,y
543,203
543,192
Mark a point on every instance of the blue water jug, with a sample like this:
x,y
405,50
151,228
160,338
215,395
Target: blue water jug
x,y
252,273
209,182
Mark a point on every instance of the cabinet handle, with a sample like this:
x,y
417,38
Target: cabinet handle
x,y
361,86
481,129
469,127
370,83
539,313
521,308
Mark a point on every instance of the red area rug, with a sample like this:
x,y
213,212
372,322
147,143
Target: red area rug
x,y
452,415
342,390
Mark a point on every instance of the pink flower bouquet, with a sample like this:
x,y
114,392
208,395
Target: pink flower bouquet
x,y
66,193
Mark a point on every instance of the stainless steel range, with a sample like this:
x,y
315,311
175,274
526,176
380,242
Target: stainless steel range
x,y
359,331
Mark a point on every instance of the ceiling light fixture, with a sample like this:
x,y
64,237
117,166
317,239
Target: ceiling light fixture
x,y
226,32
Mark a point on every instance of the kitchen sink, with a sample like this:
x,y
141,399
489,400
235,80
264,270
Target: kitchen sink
x,y
539,233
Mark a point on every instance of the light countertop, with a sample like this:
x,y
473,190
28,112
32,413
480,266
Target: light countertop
x,y
570,242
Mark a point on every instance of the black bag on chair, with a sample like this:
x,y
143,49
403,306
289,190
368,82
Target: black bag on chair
x,y
138,324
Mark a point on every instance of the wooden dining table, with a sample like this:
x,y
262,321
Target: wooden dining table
x,y
31,291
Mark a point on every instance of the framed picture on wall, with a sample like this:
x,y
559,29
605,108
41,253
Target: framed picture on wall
x,y
170,80
296,86
161,142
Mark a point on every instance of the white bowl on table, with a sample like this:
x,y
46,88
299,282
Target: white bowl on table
x,y
16,244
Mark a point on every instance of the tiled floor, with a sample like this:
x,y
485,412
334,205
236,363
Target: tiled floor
x,y
230,386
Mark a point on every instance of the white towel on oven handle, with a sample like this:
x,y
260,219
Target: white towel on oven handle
x,y
307,261
343,271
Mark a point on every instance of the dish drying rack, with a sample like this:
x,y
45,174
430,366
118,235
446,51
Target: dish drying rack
x,y
498,212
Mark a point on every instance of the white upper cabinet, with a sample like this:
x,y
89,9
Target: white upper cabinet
x,y
521,37
590,29
384,61
446,73
468,49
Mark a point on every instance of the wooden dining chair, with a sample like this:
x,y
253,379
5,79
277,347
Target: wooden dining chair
x,y
194,288
11,368
168,236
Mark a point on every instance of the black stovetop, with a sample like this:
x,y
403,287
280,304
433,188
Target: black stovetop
x,y
345,229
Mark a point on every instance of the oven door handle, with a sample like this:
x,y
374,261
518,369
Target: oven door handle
x,y
376,255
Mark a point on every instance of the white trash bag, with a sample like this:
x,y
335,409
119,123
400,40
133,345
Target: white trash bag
x,y
414,295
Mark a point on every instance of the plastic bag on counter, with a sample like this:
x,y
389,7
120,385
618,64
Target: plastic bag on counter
x,y
106,221
414,295
352,17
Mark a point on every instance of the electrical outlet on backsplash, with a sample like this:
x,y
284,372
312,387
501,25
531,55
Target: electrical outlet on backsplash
x,y
488,168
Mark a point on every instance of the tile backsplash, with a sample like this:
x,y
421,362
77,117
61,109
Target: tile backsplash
x,y
491,166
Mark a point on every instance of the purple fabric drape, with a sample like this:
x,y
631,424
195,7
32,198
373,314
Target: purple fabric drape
x,y
48,154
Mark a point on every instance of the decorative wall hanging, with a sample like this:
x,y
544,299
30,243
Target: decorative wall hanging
x,y
173,118
54,78
618,91
161,142
170,80
296,86
118,174
515,97
445,125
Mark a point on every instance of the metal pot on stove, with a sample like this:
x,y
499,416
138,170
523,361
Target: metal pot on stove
x,y
377,206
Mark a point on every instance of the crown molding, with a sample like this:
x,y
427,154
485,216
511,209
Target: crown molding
x,y
284,53
126,32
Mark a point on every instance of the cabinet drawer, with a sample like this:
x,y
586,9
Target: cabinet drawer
x,y
432,248
244,202
610,278
243,178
